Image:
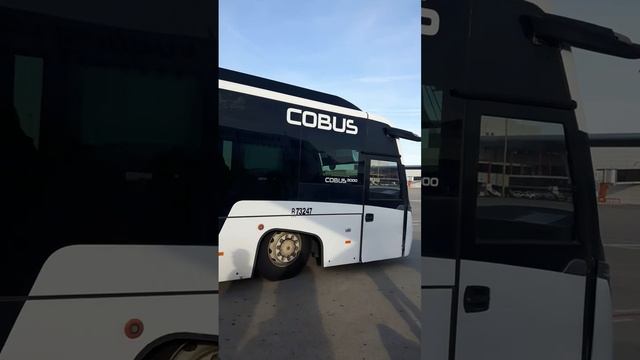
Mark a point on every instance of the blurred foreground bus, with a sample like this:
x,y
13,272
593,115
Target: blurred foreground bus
x,y
107,125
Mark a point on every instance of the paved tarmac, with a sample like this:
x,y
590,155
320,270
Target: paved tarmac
x,y
372,311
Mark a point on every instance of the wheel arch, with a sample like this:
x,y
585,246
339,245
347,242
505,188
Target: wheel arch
x,y
152,349
316,241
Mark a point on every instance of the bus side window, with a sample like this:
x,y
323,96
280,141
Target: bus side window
x,y
384,180
227,152
27,94
524,184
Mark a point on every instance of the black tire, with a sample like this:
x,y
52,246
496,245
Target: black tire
x,y
268,270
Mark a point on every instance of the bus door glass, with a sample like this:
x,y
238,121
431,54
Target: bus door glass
x,y
384,209
523,263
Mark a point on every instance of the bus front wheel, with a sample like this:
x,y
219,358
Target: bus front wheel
x,y
282,255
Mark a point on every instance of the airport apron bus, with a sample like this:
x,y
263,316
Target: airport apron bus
x,y
305,174
107,250
512,262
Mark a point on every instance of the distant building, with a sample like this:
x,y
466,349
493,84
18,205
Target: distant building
x,y
617,173
414,176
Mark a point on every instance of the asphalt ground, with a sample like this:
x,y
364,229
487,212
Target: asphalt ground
x,y
372,311
358,311
620,231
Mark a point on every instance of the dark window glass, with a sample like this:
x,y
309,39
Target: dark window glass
x,y
432,119
263,158
342,164
331,168
384,180
628,175
524,183
227,151
27,94
116,158
127,156
259,152
256,166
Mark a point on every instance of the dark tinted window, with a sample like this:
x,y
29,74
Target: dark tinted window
x,y
257,166
628,175
116,153
384,180
127,156
432,118
331,167
132,106
524,184
259,152
263,158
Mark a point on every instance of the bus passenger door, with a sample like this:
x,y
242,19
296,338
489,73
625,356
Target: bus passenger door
x,y
525,288
384,209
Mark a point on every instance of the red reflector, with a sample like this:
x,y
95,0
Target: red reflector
x,y
133,328
261,226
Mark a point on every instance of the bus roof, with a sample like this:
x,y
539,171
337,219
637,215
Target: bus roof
x,y
258,86
259,82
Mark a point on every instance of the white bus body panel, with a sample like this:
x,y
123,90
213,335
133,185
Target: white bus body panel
x,y
438,279
116,277
602,348
382,237
113,269
338,226
436,317
408,241
94,328
335,225
438,271
533,314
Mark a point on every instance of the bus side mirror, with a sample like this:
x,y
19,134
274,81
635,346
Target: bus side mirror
x,y
561,30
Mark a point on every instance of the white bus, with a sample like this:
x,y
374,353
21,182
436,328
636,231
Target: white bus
x,y
512,262
305,174
107,250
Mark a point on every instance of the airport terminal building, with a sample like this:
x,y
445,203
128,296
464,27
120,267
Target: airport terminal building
x,y
524,159
617,172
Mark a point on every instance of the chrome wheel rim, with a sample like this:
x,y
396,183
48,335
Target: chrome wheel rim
x,y
284,248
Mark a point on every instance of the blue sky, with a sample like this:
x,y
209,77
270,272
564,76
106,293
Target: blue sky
x,y
367,52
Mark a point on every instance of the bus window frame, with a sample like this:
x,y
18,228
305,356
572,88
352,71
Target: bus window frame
x,y
528,254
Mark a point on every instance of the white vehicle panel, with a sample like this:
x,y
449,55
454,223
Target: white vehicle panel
x,y
80,329
602,348
525,304
438,271
100,269
337,225
409,237
85,294
436,320
382,237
